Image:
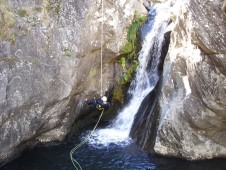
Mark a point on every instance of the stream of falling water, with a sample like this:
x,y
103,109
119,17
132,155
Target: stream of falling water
x,y
145,79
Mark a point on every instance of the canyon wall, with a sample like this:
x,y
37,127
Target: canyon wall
x,y
185,115
192,103
50,62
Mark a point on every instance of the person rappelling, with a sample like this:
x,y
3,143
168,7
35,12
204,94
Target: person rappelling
x,y
99,104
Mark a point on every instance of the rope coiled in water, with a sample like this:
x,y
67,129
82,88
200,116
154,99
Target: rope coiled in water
x,y
76,163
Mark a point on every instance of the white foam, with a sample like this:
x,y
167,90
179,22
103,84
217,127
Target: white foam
x,y
105,137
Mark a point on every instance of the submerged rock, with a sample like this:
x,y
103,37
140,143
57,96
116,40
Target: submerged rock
x,y
192,102
49,63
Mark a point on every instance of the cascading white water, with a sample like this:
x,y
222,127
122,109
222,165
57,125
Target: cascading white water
x,y
145,79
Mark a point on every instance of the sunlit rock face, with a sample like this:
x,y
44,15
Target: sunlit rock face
x,y
193,99
224,8
50,61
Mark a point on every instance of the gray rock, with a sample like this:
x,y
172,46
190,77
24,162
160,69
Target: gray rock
x,y
54,64
193,99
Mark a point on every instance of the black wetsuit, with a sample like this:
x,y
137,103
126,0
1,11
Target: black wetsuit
x,y
99,104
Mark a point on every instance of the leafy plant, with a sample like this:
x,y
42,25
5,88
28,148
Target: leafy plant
x,y
123,63
128,60
132,35
128,75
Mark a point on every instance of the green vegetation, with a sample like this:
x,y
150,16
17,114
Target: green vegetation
x,y
128,56
122,61
8,60
129,61
38,9
22,13
132,35
7,22
128,75
54,6
155,1
118,93
34,62
27,11
67,52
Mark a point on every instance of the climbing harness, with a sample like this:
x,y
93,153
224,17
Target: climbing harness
x,y
76,163
99,107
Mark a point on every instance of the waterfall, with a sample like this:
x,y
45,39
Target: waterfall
x,y
145,80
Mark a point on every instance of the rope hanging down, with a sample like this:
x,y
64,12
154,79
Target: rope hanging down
x,y
101,48
76,163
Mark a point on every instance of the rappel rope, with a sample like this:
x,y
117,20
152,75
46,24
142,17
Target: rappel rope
x,y
76,163
101,48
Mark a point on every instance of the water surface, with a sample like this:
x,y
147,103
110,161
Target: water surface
x,y
111,157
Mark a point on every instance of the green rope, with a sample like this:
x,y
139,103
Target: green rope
x,y
78,167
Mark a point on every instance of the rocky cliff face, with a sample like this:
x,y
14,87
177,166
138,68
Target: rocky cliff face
x,y
50,61
193,99
188,120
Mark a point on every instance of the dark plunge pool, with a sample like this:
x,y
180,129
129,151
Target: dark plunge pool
x,y
113,157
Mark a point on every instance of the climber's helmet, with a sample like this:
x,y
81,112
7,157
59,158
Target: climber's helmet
x,y
104,98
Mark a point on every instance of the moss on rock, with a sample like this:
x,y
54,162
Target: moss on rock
x,y
7,22
128,56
